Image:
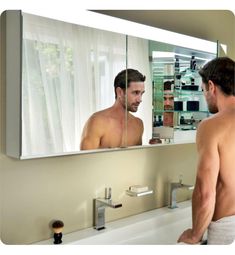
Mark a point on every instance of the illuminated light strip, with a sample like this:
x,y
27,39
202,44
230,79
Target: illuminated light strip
x,y
105,22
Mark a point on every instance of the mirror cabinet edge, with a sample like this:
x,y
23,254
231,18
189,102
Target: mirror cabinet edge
x,y
11,24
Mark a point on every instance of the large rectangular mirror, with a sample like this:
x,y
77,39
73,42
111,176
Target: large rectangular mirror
x,y
64,73
68,73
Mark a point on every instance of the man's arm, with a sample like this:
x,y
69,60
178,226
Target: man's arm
x,y
92,134
204,194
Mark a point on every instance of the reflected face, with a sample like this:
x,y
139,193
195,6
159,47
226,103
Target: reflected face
x,y
134,95
210,99
168,101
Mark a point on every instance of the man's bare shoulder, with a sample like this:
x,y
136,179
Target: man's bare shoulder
x,y
95,124
211,120
206,129
215,127
100,116
219,120
136,119
136,123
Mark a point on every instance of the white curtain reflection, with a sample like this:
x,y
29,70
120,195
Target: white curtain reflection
x,y
68,73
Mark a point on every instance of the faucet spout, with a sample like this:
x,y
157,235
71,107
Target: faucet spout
x,y
186,186
99,214
107,203
179,185
174,187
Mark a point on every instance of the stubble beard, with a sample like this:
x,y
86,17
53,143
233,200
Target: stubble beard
x,y
131,108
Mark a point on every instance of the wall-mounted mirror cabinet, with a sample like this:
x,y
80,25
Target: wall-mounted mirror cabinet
x,y
58,73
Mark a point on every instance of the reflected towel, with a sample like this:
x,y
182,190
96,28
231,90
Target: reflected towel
x,y
222,231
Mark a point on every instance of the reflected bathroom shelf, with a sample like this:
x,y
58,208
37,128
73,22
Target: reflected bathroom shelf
x,y
178,99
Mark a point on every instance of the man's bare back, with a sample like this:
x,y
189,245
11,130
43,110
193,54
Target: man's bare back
x,y
216,149
213,200
223,126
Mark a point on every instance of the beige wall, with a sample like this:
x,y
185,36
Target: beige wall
x,y
34,192
40,190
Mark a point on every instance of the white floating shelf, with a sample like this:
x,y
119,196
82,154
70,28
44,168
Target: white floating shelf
x,y
138,194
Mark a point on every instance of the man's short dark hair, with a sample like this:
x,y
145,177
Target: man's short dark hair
x,y
221,71
167,85
129,75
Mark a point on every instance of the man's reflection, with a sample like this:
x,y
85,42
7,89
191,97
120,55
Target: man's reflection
x,y
168,114
116,126
168,117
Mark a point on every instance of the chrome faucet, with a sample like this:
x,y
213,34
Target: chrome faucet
x,y
100,204
174,187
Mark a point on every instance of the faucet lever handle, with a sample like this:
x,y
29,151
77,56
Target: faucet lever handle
x,y
108,193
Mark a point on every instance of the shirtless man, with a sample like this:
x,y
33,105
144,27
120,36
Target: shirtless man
x,y
115,126
213,201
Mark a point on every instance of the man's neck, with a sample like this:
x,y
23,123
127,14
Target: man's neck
x,y
119,109
226,103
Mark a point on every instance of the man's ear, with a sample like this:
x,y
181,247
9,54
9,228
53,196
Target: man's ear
x,y
212,87
119,92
